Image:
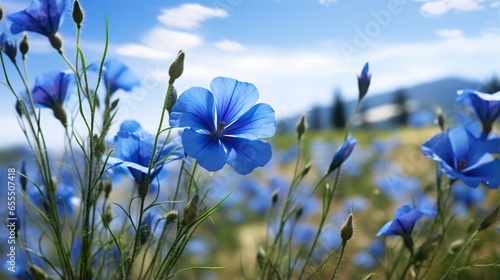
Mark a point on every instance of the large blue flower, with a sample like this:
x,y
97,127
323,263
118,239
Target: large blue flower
x,y
224,125
404,221
117,76
486,106
463,156
43,17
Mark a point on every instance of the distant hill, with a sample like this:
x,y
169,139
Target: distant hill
x,y
380,111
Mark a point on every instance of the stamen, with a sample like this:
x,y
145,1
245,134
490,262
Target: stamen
x,y
462,164
220,126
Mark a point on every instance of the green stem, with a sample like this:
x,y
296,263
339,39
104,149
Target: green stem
x,y
342,249
459,255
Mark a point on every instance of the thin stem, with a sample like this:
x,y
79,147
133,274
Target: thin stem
x,y
459,255
342,249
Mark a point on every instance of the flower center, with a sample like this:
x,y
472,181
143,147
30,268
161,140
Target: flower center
x,y
462,164
220,126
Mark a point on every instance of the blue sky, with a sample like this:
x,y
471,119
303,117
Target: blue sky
x,y
297,53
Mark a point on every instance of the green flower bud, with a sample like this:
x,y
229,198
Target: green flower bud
x,y
426,249
440,119
491,219
261,257
108,214
176,68
107,186
301,126
171,99
171,216
24,45
37,272
275,197
19,107
347,230
456,246
299,212
190,211
77,14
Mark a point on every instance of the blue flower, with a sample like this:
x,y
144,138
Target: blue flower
x,y
43,17
342,153
223,125
486,106
133,151
9,47
467,195
367,259
117,76
465,157
404,221
65,199
364,81
51,90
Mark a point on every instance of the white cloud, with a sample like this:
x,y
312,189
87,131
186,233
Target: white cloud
x,y
449,33
327,2
160,43
441,7
230,46
189,16
142,51
495,4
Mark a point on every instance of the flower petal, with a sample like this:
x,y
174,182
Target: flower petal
x,y
245,154
258,122
209,151
233,97
195,109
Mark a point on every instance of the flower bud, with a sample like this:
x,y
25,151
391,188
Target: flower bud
x,y
190,211
426,249
369,276
275,197
24,46
171,216
456,246
261,257
37,272
491,219
299,212
301,126
347,230
107,186
56,42
176,68
19,108
306,170
77,14
440,119
108,215
364,81
171,99
22,180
